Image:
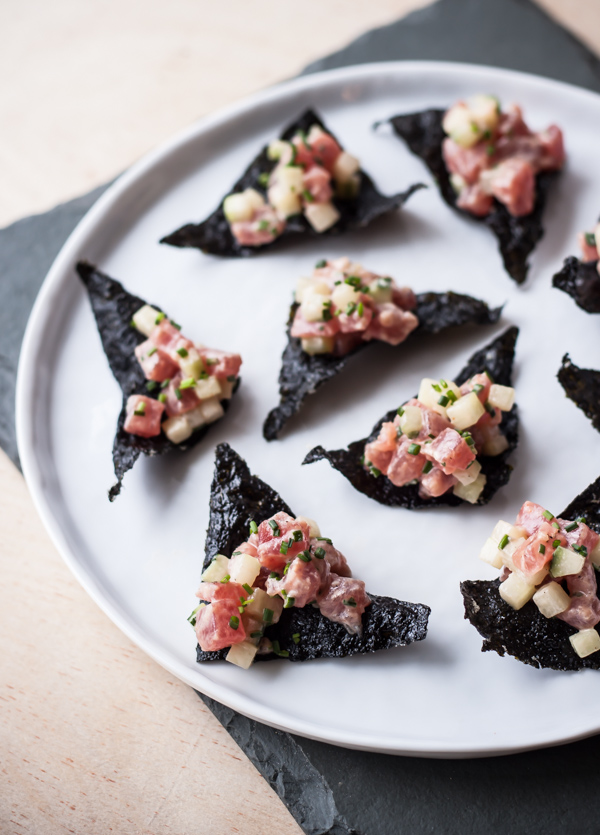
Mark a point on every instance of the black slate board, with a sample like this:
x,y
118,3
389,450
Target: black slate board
x,y
331,791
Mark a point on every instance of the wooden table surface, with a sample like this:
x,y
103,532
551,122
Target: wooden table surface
x,y
94,736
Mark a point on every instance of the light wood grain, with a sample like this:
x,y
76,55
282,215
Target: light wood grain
x,y
94,736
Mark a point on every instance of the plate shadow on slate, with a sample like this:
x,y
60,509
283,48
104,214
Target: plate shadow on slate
x,y
328,790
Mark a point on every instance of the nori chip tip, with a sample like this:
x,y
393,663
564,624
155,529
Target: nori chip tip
x,y
237,498
582,386
580,280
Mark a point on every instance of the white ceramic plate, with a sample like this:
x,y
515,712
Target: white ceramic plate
x,y
140,558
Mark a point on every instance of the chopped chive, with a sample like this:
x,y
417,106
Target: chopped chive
x,y
159,318
451,396
247,588
234,621
324,539
178,393
547,515
443,384
503,542
362,459
165,383
581,549
257,634
350,309
241,609
580,520
226,578
253,527
349,601
267,615
304,556
192,618
297,535
490,150
443,400
287,567
571,527
263,178
353,281
183,352
556,525
162,397
175,325
400,411
431,436
427,467
542,548
590,239
141,410
319,553
296,637
320,264
435,387
308,196
132,324
152,351
274,527
283,548
360,309
490,409
151,385
203,375
187,383
477,388
398,432
281,652
414,449
375,472
231,378
263,225
274,575
289,602
555,543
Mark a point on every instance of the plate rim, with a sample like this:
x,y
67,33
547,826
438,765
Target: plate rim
x,y
51,289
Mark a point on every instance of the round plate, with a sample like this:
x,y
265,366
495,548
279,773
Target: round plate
x,y
140,558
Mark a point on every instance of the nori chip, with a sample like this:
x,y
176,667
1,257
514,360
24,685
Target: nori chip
x,y
301,374
582,386
113,309
580,280
214,236
526,634
517,236
236,499
497,358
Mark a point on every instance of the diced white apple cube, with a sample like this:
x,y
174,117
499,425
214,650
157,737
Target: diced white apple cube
x,y
321,216
195,417
208,387
313,306
259,602
465,412
280,149
144,319
470,492
313,528
380,290
491,554
226,388
284,201
457,182
307,285
469,475
585,642
291,177
177,429
411,420
551,600
501,529
501,397
345,167
343,295
318,344
566,561
218,568
516,591
239,206
429,396
485,111
495,444
212,409
460,126
242,655
244,569
595,555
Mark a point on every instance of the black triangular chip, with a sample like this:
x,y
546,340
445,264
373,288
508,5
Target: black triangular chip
x,y
582,386
526,634
113,309
517,236
214,236
237,497
497,358
302,374
580,280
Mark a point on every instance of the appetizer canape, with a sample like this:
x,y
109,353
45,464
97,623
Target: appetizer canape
x,y
172,389
544,607
580,278
489,165
303,183
340,309
274,587
582,386
448,445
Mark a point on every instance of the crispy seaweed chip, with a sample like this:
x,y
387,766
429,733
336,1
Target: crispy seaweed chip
x,y
302,374
582,386
526,634
238,498
497,359
580,280
113,309
517,236
214,235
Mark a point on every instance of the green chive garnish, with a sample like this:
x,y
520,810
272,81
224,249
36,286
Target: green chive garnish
x,y
503,542
319,553
590,239
375,472
274,527
580,520
400,411
165,383
192,617
178,393
152,351
282,652
283,548
297,535
175,325
289,602
308,196
547,515
263,225
556,525
414,449
320,264
443,384
305,556
542,548
435,387
349,601
162,397
247,588
325,539
360,309
571,527
274,575
253,527
443,400
427,467
188,383
555,543
159,318
263,179
151,385
257,634
226,578
451,396
477,388
183,352
234,621
141,410
267,615
296,637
